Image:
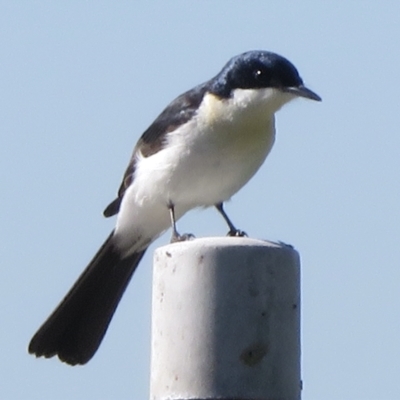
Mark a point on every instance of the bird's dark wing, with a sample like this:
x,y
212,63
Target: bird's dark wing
x,y
177,113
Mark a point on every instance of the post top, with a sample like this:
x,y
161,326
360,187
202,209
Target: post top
x,y
225,241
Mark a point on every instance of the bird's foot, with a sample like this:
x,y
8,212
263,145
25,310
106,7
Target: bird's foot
x,y
283,244
236,233
182,238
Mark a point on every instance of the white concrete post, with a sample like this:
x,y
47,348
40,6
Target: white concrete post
x,y
226,321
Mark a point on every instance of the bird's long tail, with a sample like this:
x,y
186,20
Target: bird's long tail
x,y
77,326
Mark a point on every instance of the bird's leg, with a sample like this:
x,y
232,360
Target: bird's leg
x,y
233,231
176,237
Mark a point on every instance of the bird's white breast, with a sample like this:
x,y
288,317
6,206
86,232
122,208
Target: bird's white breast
x,y
214,155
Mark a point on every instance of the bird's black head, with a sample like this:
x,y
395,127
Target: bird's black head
x,y
256,70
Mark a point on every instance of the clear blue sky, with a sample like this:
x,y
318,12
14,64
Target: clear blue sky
x,y
80,81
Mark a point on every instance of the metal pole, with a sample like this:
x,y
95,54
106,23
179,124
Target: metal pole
x,y
226,321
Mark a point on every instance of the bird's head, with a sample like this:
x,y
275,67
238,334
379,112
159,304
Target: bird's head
x,y
255,70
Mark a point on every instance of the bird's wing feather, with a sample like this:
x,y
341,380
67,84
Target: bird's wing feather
x,y
177,113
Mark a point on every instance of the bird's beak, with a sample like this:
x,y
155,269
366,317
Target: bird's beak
x,y
302,91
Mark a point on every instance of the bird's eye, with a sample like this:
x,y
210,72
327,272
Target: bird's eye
x,y
258,73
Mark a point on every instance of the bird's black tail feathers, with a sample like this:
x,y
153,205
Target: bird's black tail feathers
x,y
77,326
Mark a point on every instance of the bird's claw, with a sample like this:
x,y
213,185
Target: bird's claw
x,y
182,238
236,233
283,244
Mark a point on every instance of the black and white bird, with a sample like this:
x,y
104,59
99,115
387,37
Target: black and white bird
x,y
199,152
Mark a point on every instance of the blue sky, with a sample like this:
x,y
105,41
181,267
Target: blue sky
x,y
80,82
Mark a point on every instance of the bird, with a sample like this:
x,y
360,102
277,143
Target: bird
x,y
200,151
